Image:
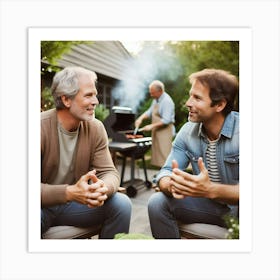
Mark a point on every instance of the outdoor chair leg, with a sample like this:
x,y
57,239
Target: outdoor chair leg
x,y
123,168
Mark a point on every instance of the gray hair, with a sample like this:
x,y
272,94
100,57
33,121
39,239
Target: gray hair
x,y
66,82
157,84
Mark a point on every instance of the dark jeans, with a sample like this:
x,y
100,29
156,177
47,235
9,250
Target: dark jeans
x,y
164,212
114,216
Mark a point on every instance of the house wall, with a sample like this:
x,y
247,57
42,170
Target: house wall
x,y
107,58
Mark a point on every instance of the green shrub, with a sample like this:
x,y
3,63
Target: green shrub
x,y
232,224
101,112
132,236
46,99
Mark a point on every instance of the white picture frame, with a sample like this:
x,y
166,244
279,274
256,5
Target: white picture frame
x,y
17,261
243,35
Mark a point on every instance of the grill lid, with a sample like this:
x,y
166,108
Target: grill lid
x,y
120,126
118,122
122,110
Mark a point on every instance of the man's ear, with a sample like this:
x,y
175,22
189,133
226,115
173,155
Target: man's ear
x,y
221,105
66,101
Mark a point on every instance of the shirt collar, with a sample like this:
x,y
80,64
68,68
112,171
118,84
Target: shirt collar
x,y
227,129
228,126
160,98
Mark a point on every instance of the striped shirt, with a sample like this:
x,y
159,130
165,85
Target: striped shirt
x,y
211,159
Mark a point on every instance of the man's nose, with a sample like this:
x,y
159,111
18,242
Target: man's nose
x,y
188,102
95,100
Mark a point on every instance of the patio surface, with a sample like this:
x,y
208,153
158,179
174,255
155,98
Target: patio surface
x,y
139,219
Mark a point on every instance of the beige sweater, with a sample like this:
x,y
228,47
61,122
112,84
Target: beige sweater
x,y
92,153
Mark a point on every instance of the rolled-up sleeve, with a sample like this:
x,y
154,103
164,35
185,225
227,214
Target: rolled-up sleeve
x,y
149,112
167,111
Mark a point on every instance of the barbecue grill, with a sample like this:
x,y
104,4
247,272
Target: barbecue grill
x,y
120,128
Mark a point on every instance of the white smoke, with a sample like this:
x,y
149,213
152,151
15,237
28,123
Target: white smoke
x,y
153,62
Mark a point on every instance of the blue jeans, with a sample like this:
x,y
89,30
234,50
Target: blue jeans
x,y
164,211
114,216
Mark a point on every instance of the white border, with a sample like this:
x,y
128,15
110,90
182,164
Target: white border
x,y
262,16
243,35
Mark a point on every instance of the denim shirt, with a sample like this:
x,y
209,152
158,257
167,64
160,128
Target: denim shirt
x,y
191,143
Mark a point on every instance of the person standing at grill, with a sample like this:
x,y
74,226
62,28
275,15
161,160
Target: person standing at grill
x,y
210,142
162,115
79,181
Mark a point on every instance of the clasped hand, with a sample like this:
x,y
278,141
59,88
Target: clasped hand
x,y
92,194
183,184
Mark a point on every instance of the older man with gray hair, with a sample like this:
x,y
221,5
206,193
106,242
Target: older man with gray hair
x,y
79,181
162,113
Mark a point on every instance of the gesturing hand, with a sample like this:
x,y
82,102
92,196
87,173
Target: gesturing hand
x,y
174,192
91,194
185,184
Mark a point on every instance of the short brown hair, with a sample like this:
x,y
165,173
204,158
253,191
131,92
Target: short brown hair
x,y
221,84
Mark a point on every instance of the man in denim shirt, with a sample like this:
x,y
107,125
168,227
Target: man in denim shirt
x,y
209,141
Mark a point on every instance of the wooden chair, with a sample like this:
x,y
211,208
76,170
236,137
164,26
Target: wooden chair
x,y
71,232
205,231
200,230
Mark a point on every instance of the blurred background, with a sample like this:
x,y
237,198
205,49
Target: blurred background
x,y
125,69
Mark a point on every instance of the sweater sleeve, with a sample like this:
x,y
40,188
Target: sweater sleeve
x,y
102,162
52,195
